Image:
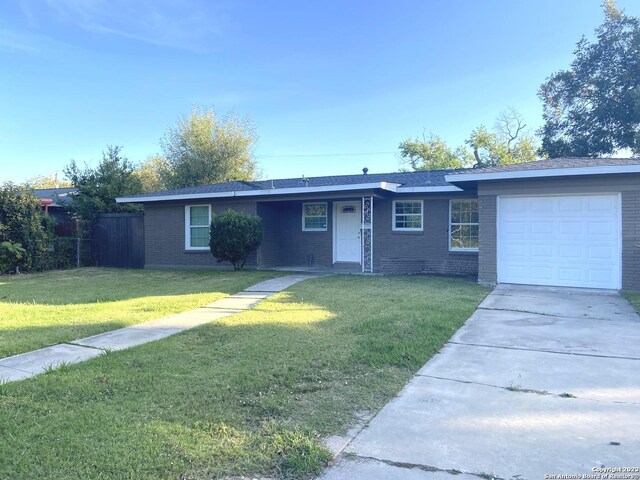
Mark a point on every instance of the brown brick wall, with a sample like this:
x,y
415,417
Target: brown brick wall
x,y
418,252
487,264
631,240
164,236
285,244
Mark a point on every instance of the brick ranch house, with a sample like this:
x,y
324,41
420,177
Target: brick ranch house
x,y
561,222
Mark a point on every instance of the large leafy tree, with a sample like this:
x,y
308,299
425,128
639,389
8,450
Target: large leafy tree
x,y
98,187
433,153
593,108
47,181
152,174
206,148
509,142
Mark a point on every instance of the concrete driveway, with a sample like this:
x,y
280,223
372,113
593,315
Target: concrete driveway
x,y
540,380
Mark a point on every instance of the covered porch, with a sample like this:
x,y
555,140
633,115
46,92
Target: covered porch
x,y
320,235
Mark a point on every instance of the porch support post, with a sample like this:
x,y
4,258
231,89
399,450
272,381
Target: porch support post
x,y
367,235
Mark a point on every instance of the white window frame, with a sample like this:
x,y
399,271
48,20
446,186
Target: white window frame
x,y
326,215
393,216
187,227
465,200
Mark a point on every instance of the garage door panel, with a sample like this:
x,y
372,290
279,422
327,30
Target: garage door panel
x,y
569,251
570,240
570,274
601,228
542,251
541,227
601,252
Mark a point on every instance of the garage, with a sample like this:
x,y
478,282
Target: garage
x,y
560,240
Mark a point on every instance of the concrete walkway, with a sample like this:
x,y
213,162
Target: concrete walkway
x,y
538,381
33,363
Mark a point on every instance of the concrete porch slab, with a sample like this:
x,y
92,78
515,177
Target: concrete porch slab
x,y
370,469
35,362
580,375
486,430
588,336
126,337
564,302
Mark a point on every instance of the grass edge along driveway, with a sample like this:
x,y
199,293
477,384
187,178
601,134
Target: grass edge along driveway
x,y
43,309
634,299
250,395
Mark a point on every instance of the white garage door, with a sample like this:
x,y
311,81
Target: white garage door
x,y
571,240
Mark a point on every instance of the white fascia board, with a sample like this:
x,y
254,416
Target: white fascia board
x,y
184,196
547,172
328,188
392,187
441,188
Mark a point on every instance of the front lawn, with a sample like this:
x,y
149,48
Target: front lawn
x,y
250,395
633,298
61,306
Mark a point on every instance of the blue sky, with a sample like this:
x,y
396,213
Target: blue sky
x,y
329,77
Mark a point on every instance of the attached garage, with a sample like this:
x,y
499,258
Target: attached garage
x,y
566,222
564,240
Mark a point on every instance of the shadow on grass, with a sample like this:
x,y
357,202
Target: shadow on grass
x,y
32,338
251,394
92,285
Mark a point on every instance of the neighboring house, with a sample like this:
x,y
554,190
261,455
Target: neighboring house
x,y
53,200
564,222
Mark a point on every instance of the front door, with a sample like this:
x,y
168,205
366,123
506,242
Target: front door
x,y
347,231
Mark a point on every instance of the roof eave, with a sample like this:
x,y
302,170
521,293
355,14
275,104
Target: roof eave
x,y
387,186
540,173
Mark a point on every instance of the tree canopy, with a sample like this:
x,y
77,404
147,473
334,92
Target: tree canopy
x,y
509,142
206,148
152,173
47,181
99,187
593,108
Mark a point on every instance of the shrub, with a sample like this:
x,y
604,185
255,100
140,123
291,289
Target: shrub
x,y
23,222
10,253
233,236
61,255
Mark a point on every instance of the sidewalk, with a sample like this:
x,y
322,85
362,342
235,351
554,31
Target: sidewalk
x,y
33,363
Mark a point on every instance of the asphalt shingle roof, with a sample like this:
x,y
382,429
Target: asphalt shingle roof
x,y
573,162
434,178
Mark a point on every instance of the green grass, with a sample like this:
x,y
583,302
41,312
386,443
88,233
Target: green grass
x,y
251,395
633,298
60,306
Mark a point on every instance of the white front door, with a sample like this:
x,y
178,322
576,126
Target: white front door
x,y
563,240
347,231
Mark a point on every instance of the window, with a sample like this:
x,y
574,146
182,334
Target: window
x,y
197,221
314,217
407,215
463,225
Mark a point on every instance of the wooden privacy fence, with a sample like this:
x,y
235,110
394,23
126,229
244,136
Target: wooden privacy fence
x,y
118,240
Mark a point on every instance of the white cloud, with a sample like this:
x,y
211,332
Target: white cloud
x,y
194,25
